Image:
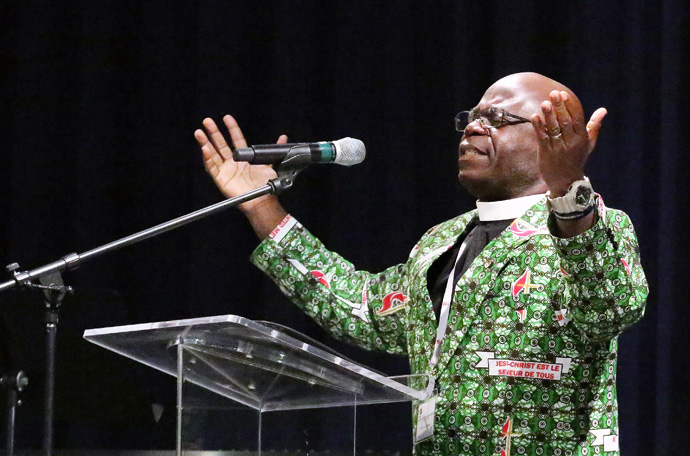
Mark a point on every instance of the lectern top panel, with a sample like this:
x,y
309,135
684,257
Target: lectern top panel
x,y
255,364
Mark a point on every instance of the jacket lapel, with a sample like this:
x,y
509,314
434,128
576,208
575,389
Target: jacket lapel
x,y
444,240
503,249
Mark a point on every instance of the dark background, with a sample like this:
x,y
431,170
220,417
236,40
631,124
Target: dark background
x,y
99,104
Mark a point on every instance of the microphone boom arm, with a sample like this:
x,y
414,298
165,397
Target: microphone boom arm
x,y
275,186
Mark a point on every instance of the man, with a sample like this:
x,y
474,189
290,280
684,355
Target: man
x,y
521,344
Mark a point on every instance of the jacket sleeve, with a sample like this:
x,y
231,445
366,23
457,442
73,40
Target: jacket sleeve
x,y
604,287
354,306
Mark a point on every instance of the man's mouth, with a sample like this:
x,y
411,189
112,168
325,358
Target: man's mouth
x,y
468,149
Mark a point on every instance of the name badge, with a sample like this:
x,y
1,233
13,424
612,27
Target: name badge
x,y
425,419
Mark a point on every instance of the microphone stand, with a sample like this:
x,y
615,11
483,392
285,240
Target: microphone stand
x,y
54,290
14,383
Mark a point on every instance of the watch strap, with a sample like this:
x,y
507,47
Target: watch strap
x,y
569,204
573,215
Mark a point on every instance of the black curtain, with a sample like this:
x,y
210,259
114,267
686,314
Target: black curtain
x,y
100,101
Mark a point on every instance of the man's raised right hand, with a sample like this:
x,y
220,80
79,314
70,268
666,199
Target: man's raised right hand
x,y
235,178
232,178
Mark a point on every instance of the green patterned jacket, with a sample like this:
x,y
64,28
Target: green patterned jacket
x,y
528,365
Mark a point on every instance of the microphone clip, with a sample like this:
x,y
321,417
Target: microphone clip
x,y
286,178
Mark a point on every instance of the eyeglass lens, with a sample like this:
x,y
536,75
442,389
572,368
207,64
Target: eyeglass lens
x,y
490,117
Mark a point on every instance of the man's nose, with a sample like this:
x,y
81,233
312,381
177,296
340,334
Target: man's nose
x,y
475,128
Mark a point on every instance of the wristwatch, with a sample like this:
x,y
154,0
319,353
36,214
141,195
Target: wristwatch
x,y
577,202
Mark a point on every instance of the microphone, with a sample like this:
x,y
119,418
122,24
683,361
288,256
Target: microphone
x,y
346,152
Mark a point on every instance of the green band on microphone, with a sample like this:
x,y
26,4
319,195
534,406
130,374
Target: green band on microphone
x,y
327,152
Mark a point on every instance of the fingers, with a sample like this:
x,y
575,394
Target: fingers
x,y
215,148
550,120
575,112
563,117
235,131
217,139
212,159
540,130
560,108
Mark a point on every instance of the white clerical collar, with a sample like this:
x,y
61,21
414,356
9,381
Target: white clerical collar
x,y
506,209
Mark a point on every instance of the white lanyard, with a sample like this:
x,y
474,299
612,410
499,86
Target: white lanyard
x,y
443,316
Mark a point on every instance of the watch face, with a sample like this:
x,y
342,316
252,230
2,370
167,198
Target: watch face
x,y
583,195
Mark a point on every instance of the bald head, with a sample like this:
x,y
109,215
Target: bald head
x,y
502,163
529,89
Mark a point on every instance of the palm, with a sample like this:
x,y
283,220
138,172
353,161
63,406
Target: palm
x,y
234,178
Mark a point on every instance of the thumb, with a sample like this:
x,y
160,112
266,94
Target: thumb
x,y
282,139
594,125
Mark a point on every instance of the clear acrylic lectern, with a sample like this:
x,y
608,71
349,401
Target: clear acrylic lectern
x,y
251,363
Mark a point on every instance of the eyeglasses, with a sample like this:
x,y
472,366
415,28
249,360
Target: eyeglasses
x,y
492,117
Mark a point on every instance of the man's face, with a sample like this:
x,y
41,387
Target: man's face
x,y
501,163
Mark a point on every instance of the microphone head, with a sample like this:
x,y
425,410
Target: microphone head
x,y
349,151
